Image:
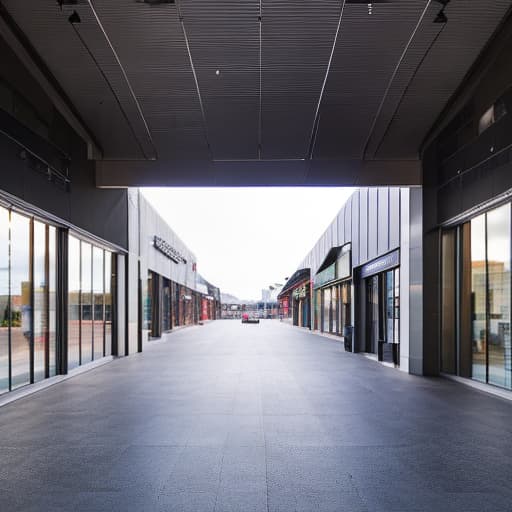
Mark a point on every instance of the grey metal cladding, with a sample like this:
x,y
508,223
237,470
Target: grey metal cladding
x,y
373,199
394,218
383,221
356,233
363,224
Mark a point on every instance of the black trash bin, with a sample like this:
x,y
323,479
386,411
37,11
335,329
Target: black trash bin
x,y
347,334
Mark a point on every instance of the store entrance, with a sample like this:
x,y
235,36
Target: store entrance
x,y
373,318
382,315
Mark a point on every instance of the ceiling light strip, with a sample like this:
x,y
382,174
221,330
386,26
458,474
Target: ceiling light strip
x,y
196,81
127,81
312,138
393,76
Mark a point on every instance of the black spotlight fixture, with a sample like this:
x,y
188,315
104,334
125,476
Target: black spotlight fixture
x,y
74,18
441,17
444,3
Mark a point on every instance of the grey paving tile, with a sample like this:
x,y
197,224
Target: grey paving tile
x,y
222,418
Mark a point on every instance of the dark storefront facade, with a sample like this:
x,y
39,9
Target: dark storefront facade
x,y
379,285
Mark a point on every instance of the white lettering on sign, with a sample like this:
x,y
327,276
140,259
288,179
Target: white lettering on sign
x,y
168,250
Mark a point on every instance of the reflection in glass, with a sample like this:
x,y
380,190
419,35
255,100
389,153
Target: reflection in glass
x,y
73,303
396,306
478,298
498,269
86,304
334,309
327,308
389,305
40,302
4,300
20,304
52,301
108,303
98,312
448,287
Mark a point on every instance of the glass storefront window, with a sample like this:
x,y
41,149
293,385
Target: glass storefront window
x,y
498,275
40,302
86,304
52,301
108,303
73,303
20,300
334,309
89,302
478,298
4,300
326,309
98,289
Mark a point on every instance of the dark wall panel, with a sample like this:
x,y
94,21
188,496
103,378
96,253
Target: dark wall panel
x,y
100,212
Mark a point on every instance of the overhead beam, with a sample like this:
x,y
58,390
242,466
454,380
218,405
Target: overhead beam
x,y
300,173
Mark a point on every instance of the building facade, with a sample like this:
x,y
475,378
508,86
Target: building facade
x,y
356,282
85,274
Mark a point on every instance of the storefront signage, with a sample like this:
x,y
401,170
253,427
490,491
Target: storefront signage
x,y
300,292
380,264
168,250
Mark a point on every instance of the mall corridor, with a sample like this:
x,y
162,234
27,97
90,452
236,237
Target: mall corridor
x,y
231,417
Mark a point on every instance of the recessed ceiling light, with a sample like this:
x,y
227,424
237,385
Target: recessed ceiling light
x,y
217,72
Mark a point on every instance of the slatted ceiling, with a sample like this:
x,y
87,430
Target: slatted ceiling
x,y
224,36
297,39
158,67
365,56
424,38
50,32
470,25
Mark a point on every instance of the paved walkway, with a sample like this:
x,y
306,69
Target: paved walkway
x,y
231,417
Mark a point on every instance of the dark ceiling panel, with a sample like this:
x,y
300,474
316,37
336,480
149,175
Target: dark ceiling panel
x,y
224,45
368,49
191,71
54,38
470,25
152,47
297,39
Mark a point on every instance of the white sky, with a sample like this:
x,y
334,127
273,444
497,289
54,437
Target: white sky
x,y
246,239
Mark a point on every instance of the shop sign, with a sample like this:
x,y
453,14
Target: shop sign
x,y
168,250
300,292
187,297
380,264
326,275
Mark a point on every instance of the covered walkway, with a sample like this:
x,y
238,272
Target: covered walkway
x,y
230,417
